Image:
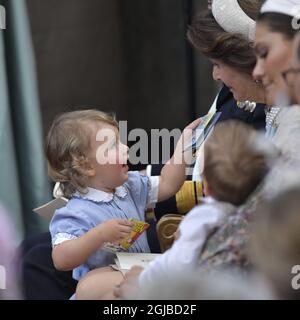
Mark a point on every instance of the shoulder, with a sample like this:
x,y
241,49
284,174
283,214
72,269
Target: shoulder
x,y
136,181
227,246
78,205
290,112
287,135
213,206
134,176
76,218
203,210
76,209
210,211
288,118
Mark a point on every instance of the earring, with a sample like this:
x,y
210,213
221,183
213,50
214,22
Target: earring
x,y
247,105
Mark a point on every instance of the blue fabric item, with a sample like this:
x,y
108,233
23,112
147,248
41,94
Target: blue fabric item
x,y
81,215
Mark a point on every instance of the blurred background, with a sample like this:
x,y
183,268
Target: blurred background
x,y
127,56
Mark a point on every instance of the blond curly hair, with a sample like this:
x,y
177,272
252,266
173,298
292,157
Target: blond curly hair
x,y
67,145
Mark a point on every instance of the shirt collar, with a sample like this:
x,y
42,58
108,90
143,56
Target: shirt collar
x,y
208,200
101,196
226,207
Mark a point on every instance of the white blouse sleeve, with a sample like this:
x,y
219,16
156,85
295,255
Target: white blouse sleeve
x,y
153,187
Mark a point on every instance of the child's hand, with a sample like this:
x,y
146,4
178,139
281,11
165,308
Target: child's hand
x,y
115,230
173,173
188,132
182,148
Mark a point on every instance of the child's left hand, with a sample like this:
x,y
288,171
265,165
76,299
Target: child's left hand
x,y
186,140
173,173
188,132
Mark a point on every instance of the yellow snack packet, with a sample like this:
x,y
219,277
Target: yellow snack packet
x,y
138,228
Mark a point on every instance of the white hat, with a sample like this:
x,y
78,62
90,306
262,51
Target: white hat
x,y
231,17
287,7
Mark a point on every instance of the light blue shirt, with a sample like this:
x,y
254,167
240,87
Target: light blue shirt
x,y
85,211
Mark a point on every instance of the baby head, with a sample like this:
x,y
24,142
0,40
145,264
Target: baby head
x,y
83,150
234,165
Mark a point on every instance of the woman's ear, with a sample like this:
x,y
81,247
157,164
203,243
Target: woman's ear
x,y
85,168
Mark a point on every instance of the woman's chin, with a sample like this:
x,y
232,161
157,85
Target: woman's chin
x,y
236,95
270,100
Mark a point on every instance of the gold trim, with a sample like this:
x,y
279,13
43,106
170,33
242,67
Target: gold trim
x,y
188,196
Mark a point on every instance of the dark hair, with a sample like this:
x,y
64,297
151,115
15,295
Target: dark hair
x,y
206,35
278,22
251,7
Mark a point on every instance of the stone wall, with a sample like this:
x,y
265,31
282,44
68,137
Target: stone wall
x,y
127,56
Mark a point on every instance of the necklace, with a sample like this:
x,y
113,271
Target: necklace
x,y
271,116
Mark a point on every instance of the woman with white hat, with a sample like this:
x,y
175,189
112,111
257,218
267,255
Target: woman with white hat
x,y
225,33
275,32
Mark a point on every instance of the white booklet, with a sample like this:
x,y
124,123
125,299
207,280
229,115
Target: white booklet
x,y
126,260
203,130
47,210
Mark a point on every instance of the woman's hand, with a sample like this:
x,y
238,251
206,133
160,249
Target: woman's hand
x,y
114,230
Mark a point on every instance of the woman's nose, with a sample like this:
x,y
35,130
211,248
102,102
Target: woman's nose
x,y
258,72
